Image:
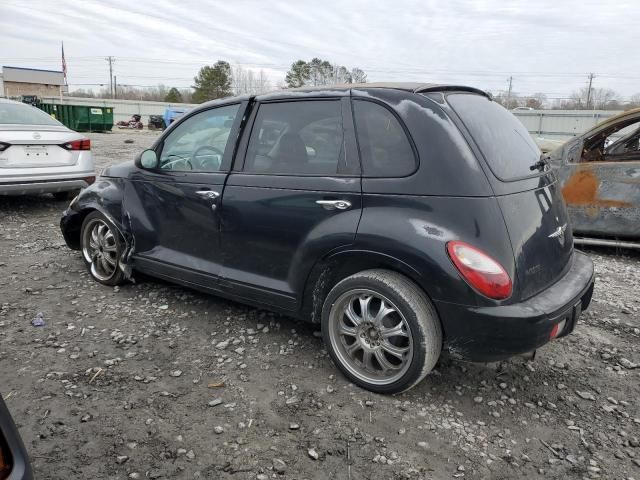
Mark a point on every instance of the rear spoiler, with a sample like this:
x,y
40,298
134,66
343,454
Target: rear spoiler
x,y
451,88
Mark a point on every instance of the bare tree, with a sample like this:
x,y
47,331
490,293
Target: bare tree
x,y
634,101
358,75
600,98
247,81
537,101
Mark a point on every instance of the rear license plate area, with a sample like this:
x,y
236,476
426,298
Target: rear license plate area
x,y
36,151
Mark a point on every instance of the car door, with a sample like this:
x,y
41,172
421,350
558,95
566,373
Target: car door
x,y
294,196
600,176
173,209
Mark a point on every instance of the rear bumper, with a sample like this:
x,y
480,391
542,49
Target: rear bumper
x,y
36,187
494,333
20,466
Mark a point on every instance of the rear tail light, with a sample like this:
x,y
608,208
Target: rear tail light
x,y
6,464
84,144
89,180
480,271
557,329
4,146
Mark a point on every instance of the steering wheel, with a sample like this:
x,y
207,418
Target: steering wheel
x,y
185,162
205,148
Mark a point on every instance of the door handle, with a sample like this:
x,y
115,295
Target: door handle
x,y
334,204
208,194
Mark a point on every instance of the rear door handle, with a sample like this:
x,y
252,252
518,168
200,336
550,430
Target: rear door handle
x,y
211,196
208,194
334,204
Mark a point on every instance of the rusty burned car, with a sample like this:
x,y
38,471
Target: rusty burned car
x,y
600,176
403,218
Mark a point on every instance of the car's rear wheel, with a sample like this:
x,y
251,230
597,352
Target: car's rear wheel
x,y
381,330
101,249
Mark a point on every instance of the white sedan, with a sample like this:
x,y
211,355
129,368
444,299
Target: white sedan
x,y
40,155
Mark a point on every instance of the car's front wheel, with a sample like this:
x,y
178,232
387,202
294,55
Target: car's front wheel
x,y
101,249
381,330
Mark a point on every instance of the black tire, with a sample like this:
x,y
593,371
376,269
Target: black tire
x,y
112,249
418,321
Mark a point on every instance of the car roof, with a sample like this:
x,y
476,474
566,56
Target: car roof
x,y
344,89
415,87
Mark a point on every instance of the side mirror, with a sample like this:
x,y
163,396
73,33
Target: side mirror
x,y
147,160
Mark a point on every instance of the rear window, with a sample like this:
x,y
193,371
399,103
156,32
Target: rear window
x,y
502,139
21,114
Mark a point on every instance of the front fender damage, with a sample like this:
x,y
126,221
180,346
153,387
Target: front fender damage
x,y
125,231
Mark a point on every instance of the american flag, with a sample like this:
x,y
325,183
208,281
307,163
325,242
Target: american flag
x,y
64,65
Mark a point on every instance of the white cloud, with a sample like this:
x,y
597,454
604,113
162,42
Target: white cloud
x,y
547,45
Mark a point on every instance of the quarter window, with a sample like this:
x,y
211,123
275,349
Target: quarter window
x,y
198,143
297,138
384,146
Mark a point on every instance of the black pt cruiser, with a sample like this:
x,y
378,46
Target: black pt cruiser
x,y
404,218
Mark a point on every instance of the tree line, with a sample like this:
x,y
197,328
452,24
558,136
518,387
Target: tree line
x,y
221,80
582,99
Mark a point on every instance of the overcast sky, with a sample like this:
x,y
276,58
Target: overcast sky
x,y
547,46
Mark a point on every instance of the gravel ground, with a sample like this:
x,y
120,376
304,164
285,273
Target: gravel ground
x,y
151,380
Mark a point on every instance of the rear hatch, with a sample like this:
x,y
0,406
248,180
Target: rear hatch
x,y
530,199
35,146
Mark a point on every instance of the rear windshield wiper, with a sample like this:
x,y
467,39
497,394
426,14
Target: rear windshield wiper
x,y
541,163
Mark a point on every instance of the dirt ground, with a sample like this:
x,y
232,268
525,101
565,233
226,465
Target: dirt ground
x,y
151,380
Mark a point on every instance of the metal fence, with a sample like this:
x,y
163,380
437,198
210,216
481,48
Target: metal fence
x,y
561,124
552,124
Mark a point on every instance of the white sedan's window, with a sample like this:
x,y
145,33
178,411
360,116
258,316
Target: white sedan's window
x,y
22,114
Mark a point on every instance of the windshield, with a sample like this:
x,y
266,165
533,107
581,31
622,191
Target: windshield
x,y
22,114
504,141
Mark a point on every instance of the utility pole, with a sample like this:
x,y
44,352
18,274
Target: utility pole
x,y
115,87
591,77
110,59
509,92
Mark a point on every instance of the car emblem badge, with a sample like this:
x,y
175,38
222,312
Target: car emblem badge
x,y
36,136
559,233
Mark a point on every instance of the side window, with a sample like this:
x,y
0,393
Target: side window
x,y
297,138
384,147
625,145
199,142
619,142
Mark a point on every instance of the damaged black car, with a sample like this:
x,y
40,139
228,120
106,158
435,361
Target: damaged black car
x,y
403,218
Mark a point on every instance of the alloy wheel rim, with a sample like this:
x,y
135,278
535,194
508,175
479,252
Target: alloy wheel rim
x,y
100,250
370,336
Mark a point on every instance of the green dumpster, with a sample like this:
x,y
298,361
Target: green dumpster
x,y
81,118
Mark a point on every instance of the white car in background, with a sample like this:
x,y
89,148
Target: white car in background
x,y
40,155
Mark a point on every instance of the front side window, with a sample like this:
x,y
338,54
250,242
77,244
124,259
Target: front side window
x,y
618,143
198,143
385,150
297,138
